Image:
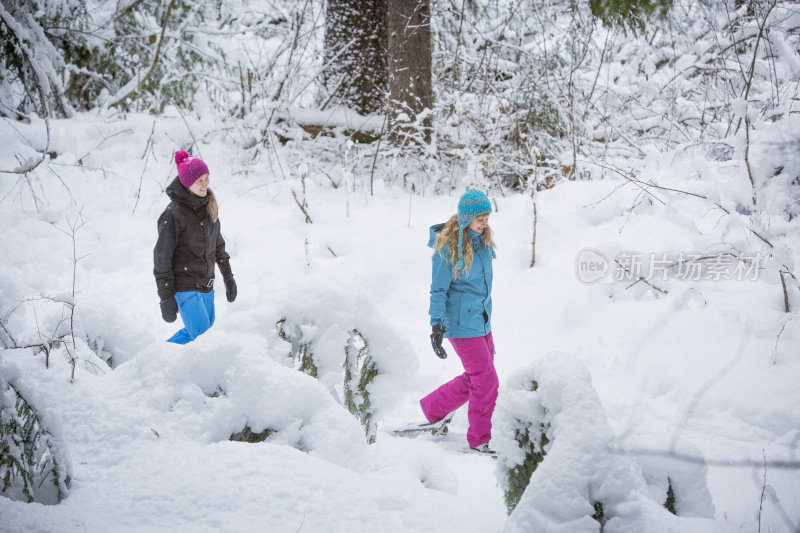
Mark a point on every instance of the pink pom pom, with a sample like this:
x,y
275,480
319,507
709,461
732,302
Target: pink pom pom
x,y
181,157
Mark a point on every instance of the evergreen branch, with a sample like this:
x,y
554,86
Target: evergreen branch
x,y
16,33
132,86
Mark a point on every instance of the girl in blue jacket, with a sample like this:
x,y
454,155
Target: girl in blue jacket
x,y
461,311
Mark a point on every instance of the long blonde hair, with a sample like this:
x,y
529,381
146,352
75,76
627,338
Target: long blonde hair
x,y
212,208
449,235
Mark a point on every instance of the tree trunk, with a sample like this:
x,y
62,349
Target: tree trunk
x,y
355,54
410,86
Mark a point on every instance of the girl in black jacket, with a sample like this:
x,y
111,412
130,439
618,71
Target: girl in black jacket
x,y
189,245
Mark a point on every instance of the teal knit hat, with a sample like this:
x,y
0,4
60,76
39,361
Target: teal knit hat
x,y
473,203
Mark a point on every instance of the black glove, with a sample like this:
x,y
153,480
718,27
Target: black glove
x,y
230,289
436,340
169,309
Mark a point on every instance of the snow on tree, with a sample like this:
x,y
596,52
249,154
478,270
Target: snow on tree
x,y
584,481
33,466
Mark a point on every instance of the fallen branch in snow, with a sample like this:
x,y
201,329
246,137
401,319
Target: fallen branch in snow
x,y
640,278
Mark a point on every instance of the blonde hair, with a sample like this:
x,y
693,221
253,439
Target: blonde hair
x,y
213,208
448,235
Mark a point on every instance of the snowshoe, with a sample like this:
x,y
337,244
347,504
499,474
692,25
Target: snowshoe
x,y
438,428
484,449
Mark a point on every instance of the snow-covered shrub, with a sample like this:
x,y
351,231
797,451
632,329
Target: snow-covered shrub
x,y
360,369
248,435
629,13
582,484
676,473
301,354
351,348
143,55
520,413
30,80
32,467
359,372
97,345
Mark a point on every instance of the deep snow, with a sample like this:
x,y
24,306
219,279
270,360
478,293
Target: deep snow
x,y
707,371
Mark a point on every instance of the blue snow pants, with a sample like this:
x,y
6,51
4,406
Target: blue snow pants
x,y
197,312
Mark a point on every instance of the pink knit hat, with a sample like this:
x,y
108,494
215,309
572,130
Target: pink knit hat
x,y
190,168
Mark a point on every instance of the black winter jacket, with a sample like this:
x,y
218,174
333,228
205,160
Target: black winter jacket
x,y
188,245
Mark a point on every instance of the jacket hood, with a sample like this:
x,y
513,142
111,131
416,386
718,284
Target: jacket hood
x,y
436,228
178,193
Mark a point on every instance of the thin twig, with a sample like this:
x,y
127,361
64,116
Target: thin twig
x,y
748,463
377,150
640,278
785,293
747,156
148,149
8,333
533,242
302,207
763,491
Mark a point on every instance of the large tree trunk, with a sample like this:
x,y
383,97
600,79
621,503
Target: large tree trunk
x,y
355,54
410,87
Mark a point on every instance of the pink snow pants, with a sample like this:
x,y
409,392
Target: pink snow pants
x,y
478,386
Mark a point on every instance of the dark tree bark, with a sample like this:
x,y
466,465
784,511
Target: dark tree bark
x,y
355,54
410,86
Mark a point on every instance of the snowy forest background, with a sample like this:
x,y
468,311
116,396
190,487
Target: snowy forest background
x,y
336,133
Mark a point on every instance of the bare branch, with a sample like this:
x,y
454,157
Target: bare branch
x,y
686,458
533,242
302,207
640,278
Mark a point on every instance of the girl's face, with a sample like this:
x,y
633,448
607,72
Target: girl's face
x,y
200,187
479,224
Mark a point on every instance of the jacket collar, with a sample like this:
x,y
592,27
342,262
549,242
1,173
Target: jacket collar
x,y
178,193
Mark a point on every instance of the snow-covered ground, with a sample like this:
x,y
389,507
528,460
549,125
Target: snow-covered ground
x,y
698,383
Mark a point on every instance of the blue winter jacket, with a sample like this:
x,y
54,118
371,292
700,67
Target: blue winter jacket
x,y
463,305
